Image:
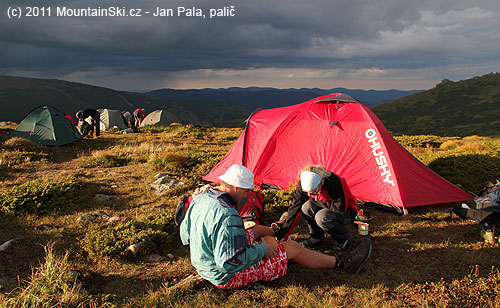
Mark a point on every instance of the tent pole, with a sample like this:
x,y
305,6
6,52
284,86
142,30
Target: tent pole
x,y
247,121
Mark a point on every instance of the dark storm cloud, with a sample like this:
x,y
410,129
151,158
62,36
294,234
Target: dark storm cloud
x,y
320,34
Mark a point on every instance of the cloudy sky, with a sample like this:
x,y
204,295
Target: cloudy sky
x,y
367,44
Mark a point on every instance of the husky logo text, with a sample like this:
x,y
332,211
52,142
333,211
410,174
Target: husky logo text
x,y
383,166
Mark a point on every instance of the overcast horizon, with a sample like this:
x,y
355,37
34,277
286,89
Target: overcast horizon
x,y
380,45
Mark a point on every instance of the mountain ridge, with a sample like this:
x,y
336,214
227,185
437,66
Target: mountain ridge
x,y
20,95
219,107
452,108
254,97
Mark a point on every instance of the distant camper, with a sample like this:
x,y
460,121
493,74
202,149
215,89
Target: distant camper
x,y
130,121
88,121
139,115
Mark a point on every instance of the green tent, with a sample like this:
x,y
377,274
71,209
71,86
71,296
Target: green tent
x,y
48,126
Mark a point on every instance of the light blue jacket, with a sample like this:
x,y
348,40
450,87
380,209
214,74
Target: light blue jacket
x,y
218,246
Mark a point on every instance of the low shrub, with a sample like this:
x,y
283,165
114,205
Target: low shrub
x,y
16,143
421,140
154,129
201,162
17,151
228,135
37,196
16,158
105,161
277,201
113,240
473,171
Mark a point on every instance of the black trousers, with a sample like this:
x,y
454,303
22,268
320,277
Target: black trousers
x,y
321,220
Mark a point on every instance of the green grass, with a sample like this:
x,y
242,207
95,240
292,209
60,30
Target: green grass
x,y
38,196
105,161
459,108
417,260
112,240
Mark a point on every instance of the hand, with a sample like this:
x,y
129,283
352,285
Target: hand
x,y
272,248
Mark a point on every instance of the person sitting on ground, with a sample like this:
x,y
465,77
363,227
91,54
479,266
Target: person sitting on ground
x,y
327,204
229,256
139,115
95,124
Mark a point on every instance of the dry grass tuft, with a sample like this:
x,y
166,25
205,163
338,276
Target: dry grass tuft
x,y
169,160
51,285
472,147
476,138
17,143
450,144
473,144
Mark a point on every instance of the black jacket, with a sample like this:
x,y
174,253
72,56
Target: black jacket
x,y
333,185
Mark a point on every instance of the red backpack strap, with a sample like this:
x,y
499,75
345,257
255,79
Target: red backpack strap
x,y
188,202
182,207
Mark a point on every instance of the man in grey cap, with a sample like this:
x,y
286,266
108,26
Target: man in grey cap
x,y
229,256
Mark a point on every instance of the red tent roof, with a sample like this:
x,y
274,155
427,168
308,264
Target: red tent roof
x,y
346,137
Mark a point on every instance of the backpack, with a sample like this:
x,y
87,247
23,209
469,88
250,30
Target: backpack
x,y
486,213
488,197
250,208
182,207
486,216
487,203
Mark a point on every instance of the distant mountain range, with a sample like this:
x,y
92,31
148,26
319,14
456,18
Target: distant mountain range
x,y
461,108
255,97
220,107
19,95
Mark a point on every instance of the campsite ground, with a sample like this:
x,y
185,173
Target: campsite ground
x,y
50,205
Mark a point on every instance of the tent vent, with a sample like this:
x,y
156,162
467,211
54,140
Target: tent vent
x,y
332,123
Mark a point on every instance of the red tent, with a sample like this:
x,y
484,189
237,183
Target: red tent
x,y
346,137
70,119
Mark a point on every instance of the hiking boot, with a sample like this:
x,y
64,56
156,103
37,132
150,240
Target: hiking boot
x,y
351,261
313,241
342,246
276,226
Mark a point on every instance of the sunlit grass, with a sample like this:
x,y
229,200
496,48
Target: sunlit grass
x,y
418,260
50,285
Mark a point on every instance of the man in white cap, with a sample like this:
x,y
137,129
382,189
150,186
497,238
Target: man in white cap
x,y
229,256
327,204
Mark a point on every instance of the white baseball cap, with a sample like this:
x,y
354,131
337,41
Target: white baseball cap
x,y
238,176
309,180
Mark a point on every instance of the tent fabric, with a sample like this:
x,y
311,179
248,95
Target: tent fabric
x,y
48,126
160,117
346,137
111,118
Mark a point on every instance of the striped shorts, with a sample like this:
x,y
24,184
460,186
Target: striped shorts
x,y
264,270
